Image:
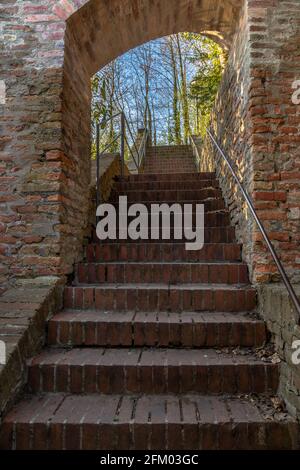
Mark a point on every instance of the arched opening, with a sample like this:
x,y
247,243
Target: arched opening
x,y
98,33
53,50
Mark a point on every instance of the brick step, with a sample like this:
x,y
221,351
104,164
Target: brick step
x,y
160,153
210,205
161,297
173,169
173,273
211,235
179,163
166,160
174,165
164,329
124,251
153,422
163,157
169,148
150,370
142,177
165,185
157,157
211,219
168,195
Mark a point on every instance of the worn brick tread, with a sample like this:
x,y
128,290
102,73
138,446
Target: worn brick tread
x,y
150,370
210,204
164,251
161,297
212,219
181,176
122,422
138,195
128,186
192,329
146,272
217,234
155,347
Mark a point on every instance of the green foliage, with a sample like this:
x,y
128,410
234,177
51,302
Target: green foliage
x,y
209,60
99,108
168,85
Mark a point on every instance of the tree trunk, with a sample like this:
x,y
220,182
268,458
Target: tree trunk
x,y
184,94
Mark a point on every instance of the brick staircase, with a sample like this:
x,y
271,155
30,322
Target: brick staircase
x,y
170,159
157,347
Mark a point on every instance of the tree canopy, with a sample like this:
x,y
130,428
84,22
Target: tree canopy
x,y
168,85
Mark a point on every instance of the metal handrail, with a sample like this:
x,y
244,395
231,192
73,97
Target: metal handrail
x,y
249,202
106,121
136,164
195,150
123,139
128,127
143,145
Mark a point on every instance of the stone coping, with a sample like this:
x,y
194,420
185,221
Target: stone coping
x,y
24,310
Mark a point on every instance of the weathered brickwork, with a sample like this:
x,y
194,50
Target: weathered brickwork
x,y
258,125
52,47
275,65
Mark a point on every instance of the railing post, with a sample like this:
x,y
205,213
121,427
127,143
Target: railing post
x,y
122,150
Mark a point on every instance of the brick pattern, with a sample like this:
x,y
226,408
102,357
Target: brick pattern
x,y
162,178
169,159
157,422
170,195
150,371
45,169
212,235
166,329
138,298
45,156
161,252
262,135
92,273
188,184
156,329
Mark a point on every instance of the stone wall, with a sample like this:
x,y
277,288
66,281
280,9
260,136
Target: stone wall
x,y
283,322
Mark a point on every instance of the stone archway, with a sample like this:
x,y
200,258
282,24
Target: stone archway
x,y
101,31
57,45
53,48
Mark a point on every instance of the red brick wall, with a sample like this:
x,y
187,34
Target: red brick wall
x,y
259,126
229,123
44,170
50,53
275,128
